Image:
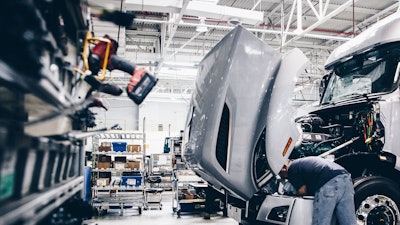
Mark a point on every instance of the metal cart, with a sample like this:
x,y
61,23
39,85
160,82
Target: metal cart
x,y
122,198
153,194
188,194
161,165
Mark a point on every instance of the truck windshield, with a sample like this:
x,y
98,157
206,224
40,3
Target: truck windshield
x,y
373,72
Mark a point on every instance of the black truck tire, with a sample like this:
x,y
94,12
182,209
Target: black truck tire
x,y
377,200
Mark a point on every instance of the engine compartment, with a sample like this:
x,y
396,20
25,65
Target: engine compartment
x,y
357,127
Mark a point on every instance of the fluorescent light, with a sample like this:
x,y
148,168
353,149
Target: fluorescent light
x,y
208,1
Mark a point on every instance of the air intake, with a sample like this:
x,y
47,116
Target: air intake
x,y
223,138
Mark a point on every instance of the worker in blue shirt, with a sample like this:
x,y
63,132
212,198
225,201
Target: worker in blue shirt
x,y
330,184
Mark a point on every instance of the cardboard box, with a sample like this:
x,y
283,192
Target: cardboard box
x,y
104,162
119,165
105,147
103,165
134,148
102,182
134,164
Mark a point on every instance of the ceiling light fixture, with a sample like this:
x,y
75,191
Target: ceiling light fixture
x,y
234,21
201,28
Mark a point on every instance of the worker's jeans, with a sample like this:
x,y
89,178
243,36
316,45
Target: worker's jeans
x,y
335,199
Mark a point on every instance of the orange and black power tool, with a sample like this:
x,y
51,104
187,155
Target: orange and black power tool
x,y
140,83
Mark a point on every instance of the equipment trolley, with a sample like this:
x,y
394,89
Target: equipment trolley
x,y
188,192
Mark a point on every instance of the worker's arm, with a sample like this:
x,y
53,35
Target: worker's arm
x,y
302,190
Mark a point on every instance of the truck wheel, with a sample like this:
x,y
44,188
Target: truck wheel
x,y
377,201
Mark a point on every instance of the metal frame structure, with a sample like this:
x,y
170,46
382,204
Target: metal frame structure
x,y
166,40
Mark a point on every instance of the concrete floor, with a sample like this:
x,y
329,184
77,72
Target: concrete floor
x,y
155,217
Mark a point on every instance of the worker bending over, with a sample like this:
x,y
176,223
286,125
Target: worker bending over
x,y
330,184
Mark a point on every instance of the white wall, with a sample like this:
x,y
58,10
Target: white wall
x,y
121,111
172,117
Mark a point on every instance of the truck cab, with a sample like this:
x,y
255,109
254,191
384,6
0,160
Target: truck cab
x,y
241,127
356,123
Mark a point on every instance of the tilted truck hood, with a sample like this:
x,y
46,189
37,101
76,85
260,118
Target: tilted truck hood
x,y
241,101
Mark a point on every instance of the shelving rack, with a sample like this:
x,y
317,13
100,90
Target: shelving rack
x,y
120,191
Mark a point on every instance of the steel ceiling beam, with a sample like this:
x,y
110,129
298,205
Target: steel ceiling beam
x,y
182,46
322,9
176,23
321,21
375,17
174,27
197,9
317,36
256,4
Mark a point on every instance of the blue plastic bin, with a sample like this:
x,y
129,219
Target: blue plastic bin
x,y
132,180
119,146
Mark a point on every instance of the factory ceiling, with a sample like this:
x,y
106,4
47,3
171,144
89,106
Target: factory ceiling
x,y
170,37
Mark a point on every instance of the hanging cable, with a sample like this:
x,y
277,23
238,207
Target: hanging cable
x,y
119,27
354,22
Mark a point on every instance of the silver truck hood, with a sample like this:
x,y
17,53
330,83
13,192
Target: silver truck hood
x,y
242,98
